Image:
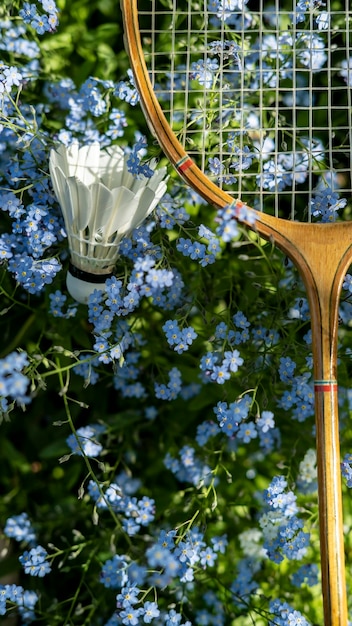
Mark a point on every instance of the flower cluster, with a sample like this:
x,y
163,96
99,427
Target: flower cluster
x,y
15,596
346,468
307,478
118,498
34,562
306,575
188,468
170,558
170,390
34,228
44,20
220,372
180,339
20,529
13,382
285,615
300,397
282,529
228,218
170,212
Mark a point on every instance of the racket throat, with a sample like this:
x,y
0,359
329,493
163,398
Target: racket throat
x,y
323,255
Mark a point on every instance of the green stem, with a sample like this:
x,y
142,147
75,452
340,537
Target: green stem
x,y
79,587
18,338
63,387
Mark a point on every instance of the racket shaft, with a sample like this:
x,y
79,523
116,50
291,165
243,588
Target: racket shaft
x,y
309,246
330,508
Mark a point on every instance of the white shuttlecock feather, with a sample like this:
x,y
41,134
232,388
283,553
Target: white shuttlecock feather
x,y
101,203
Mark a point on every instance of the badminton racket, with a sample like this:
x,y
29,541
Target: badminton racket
x,y
251,103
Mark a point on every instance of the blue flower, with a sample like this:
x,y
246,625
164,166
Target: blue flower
x,y
323,20
306,574
277,485
346,66
244,159
10,77
204,71
230,416
150,611
232,360
347,283
266,421
207,557
28,12
220,543
220,374
84,440
208,361
180,339
240,320
295,618
205,431
13,383
49,6
159,279
247,431
286,369
185,246
227,230
226,8
161,556
190,468
310,50
128,596
186,553
113,573
126,90
197,251
40,23
19,528
131,616
346,469
244,585
215,166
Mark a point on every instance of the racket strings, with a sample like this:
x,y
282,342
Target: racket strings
x,y
259,98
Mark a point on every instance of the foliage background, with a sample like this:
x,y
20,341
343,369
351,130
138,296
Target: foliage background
x,y
39,476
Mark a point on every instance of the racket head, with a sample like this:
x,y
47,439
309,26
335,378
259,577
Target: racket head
x,y
155,117
314,142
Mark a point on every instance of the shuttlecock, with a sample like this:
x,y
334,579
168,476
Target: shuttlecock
x,y
101,203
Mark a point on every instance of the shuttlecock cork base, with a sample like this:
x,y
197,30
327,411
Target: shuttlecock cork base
x,y
101,203
81,285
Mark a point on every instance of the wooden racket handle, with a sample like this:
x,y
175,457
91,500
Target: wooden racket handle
x,y
323,253
330,508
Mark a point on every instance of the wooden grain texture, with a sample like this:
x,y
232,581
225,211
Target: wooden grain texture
x,y
322,253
